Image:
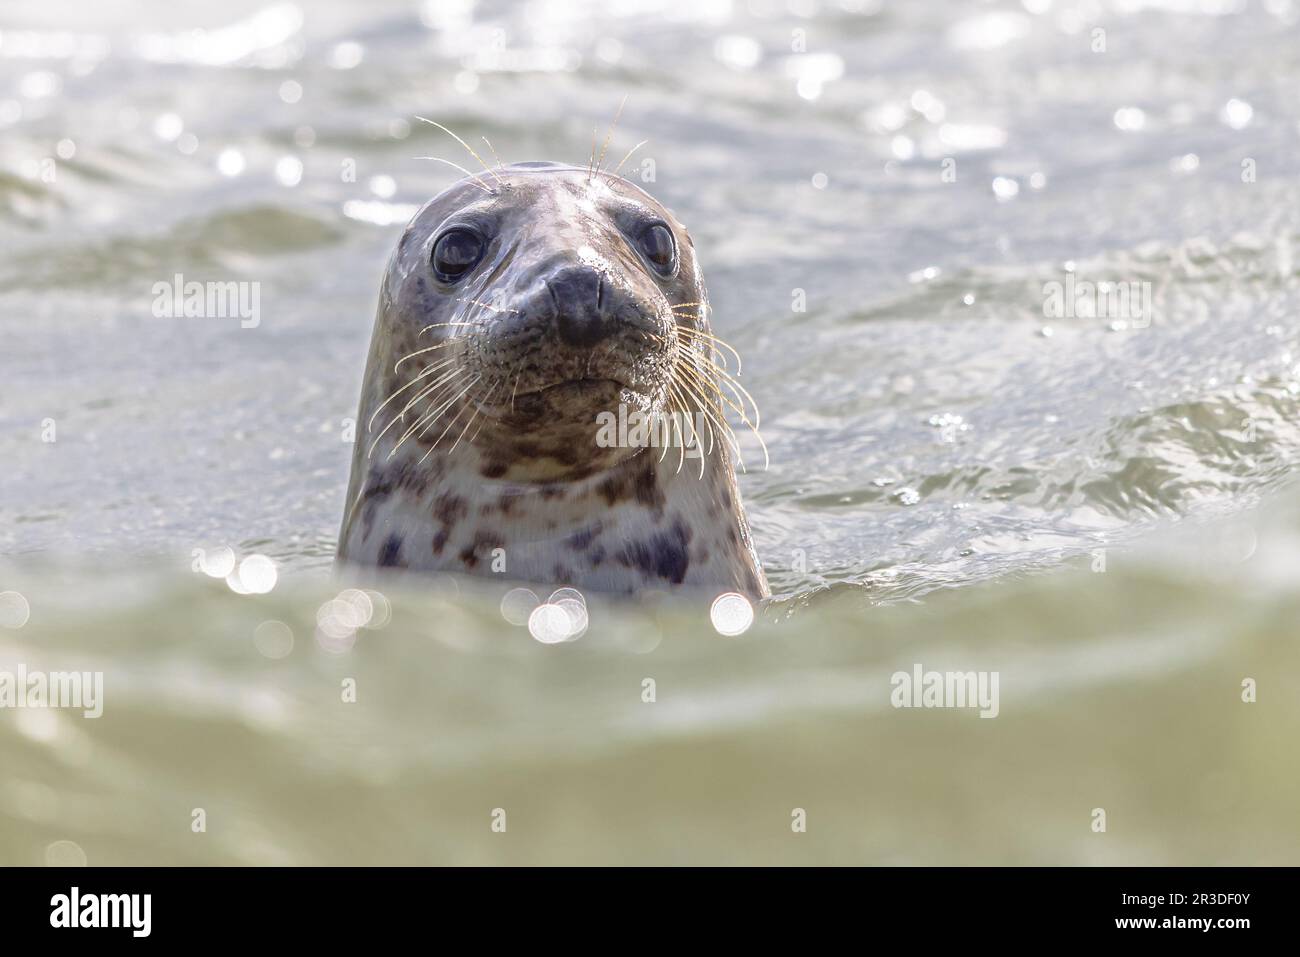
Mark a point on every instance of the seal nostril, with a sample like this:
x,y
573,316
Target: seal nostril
x,y
579,304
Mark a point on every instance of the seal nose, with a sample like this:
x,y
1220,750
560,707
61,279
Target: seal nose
x,y
581,318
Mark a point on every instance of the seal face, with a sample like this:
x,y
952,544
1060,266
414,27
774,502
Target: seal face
x,y
523,314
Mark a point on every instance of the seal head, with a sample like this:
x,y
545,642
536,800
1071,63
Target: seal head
x,y
525,317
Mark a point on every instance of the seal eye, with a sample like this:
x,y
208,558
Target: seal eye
x,y
658,246
455,253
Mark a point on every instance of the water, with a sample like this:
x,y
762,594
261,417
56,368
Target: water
x,y
951,467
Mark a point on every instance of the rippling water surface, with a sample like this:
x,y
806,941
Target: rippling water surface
x,y
1097,506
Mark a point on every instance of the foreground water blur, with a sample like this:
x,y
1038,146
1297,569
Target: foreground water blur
x,y
1119,690
1097,508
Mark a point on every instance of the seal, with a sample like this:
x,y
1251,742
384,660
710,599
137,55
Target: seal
x,y
544,399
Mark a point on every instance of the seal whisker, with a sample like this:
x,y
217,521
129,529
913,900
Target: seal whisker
x,y
429,389
710,418
739,409
692,350
437,325
425,421
710,410
627,157
712,350
709,395
424,393
689,386
742,395
485,399
370,426
753,426
430,418
488,305
699,442
608,136
515,390
481,185
470,420
673,426
739,390
466,429
457,398
420,352
707,424
485,166
493,149
698,333
685,414
681,441
427,393
468,423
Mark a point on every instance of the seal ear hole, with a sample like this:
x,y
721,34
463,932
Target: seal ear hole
x,y
455,253
659,248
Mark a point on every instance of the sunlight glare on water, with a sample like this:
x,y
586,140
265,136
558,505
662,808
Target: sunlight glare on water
x,y
1018,301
